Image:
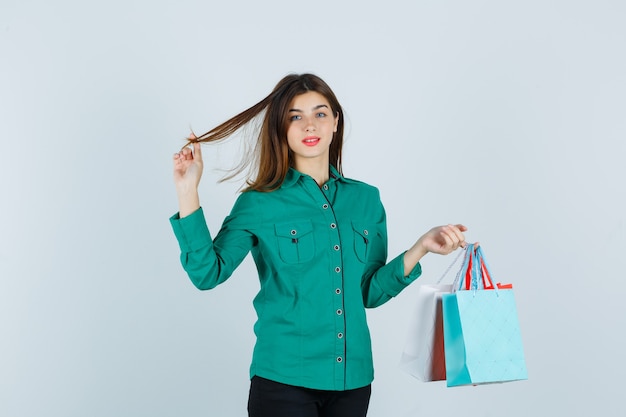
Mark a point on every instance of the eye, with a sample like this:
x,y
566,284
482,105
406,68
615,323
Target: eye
x,y
321,114
294,118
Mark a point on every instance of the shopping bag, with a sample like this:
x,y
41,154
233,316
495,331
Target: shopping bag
x,y
423,356
482,338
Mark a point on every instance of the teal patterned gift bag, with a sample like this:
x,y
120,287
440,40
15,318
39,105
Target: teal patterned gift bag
x,y
482,339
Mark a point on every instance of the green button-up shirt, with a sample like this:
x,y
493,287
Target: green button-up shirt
x,y
321,257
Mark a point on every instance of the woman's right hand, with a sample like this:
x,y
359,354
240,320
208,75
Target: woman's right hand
x,y
187,173
188,168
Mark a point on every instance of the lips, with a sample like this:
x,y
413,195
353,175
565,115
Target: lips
x,y
311,140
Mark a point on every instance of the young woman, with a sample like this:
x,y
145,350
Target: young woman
x,y
319,241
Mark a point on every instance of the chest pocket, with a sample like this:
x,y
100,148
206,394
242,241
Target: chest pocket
x,y
296,243
362,235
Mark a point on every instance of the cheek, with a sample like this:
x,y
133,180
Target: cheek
x,y
291,138
332,124
290,133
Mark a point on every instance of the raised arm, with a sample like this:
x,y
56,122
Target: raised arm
x,y
207,262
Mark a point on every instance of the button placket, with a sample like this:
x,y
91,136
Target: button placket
x,y
336,266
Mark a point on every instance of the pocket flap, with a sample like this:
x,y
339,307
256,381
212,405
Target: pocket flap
x,y
294,230
362,229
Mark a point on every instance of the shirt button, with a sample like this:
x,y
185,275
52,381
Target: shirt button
x,y
365,232
293,232
338,291
339,312
339,359
336,247
324,206
325,187
337,270
333,226
340,335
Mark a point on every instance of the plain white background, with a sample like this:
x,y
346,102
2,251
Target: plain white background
x,y
506,116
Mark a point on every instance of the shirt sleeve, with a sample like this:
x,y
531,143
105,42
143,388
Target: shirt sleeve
x,y
382,281
209,262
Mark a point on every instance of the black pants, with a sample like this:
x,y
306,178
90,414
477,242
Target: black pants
x,y
273,399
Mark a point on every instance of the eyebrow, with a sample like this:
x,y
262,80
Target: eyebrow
x,y
319,106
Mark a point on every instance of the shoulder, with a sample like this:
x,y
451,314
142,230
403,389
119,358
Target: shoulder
x,y
362,187
245,202
254,206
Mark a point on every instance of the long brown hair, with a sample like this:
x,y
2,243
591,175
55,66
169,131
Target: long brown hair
x,y
271,155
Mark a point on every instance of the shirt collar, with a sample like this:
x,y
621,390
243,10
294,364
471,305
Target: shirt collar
x,y
293,176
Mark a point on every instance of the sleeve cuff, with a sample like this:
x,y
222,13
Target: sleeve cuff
x,y
191,231
400,282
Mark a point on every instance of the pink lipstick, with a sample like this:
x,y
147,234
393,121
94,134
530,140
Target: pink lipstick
x,y
311,140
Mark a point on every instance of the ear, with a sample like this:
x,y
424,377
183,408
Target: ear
x,y
336,122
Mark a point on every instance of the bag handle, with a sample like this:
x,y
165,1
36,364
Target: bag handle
x,y
474,273
477,272
467,251
481,275
485,271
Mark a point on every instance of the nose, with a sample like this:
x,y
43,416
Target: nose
x,y
310,125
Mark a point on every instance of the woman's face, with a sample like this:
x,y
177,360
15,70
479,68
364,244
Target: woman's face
x,y
310,128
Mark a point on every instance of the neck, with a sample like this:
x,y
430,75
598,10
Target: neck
x,y
314,168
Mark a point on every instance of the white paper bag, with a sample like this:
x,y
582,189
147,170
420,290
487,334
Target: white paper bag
x,y
424,355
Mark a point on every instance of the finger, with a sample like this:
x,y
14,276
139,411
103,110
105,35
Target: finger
x,y
456,235
458,232
447,239
453,234
184,153
197,151
191,139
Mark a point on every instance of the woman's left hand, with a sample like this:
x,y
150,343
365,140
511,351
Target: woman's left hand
x,y
443,239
